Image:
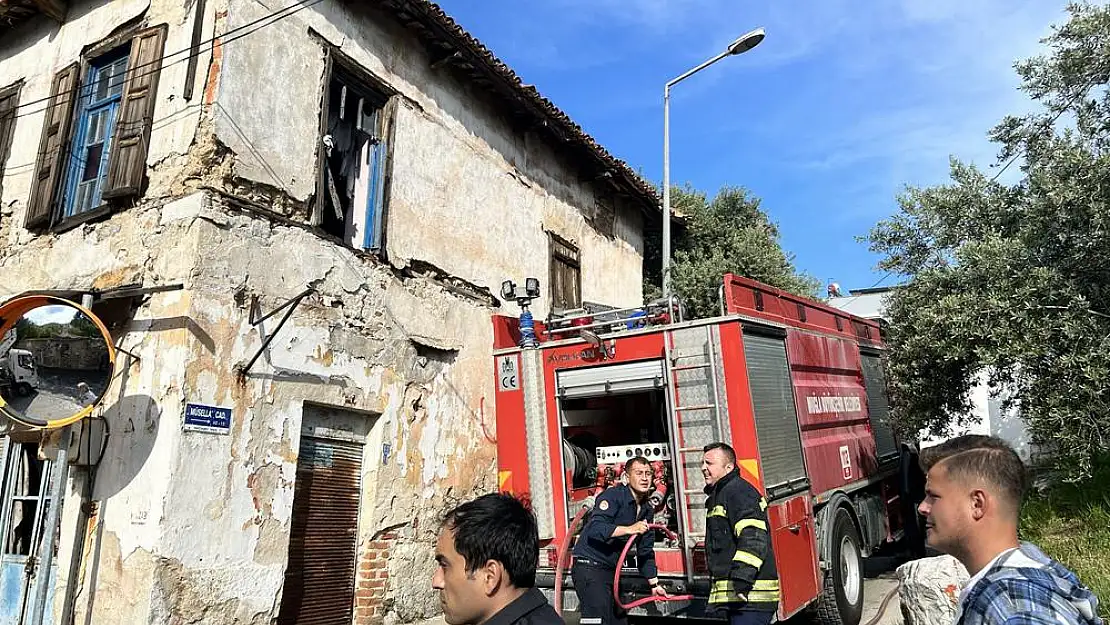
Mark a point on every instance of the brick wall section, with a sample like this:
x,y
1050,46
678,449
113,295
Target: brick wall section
x,y
372,580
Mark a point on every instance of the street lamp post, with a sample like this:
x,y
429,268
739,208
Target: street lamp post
x,y
740,46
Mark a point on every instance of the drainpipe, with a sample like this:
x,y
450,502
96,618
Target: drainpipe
x,y
46,545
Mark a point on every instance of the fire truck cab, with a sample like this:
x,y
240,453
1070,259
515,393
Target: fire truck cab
x,y
795,387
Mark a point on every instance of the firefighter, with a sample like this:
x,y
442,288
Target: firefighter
x,y
745,584
619,512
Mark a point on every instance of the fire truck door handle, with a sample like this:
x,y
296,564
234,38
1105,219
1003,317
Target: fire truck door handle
x,y
797,527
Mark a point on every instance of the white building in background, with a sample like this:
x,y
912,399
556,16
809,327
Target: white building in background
x,y
988,415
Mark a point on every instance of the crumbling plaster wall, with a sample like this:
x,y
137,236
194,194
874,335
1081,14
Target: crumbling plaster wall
x,y
42,47
472,193
194,526
357,343
153,244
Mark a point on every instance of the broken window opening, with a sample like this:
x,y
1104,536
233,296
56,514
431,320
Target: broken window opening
x,y
24,498
566,275
354,163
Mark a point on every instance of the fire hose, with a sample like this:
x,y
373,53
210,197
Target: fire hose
x,y
617,574
564,549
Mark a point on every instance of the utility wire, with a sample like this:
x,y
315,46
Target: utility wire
x,y
1014,158
204,47
876,283
1082,92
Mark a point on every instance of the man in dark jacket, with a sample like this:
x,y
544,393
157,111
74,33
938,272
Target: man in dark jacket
x,y
745,583
619,512
486,560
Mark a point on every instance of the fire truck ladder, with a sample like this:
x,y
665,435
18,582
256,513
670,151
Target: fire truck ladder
x,y
692,372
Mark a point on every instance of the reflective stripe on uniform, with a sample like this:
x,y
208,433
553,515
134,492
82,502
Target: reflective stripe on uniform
x,y
717,511
748,558
763,591
586,620
756,523
725,585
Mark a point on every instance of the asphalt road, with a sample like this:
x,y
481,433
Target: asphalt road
x,y
57,394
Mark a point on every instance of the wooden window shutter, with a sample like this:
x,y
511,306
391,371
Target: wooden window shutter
x,y
318,202
9,99
53,147
127,162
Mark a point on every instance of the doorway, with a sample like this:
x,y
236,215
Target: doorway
x,y
319,584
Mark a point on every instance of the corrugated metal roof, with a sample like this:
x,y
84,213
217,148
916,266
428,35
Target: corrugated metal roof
x,y
451,44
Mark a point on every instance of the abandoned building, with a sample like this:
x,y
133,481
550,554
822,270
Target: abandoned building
x,y
191,167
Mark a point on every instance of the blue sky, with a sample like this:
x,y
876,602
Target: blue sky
x,y
843,104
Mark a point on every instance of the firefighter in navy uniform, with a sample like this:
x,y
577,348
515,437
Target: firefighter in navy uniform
x,y
619,512
745,584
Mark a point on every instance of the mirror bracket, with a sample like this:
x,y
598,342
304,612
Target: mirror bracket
x,y
289,306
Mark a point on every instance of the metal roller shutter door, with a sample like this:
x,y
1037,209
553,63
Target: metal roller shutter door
x,y
776,421
320,575
633,377
877,409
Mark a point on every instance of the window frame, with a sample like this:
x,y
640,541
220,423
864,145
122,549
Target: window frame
x,y
572,260
82,112
339,66
124,158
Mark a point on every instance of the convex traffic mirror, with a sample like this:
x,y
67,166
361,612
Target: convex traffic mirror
x,y
56,361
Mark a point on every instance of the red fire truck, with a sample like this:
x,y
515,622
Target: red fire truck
x,y
796,387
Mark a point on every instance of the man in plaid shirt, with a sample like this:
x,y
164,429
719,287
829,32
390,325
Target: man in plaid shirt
x,y
972,501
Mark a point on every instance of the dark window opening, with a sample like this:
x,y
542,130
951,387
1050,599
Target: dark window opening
x,y
354,162
24,497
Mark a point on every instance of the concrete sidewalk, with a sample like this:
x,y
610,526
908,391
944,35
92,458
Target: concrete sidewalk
x,y
874,591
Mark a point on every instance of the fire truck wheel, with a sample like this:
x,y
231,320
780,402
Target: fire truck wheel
x,y
23,389
841,600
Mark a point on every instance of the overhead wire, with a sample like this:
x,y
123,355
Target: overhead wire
x,y
202,48
221,40
1080,93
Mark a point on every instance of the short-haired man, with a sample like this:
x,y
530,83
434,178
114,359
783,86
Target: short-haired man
x,y
619,512
973,497
486,559
737,542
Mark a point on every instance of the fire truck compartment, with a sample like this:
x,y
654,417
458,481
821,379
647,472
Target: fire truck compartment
x,y
600,433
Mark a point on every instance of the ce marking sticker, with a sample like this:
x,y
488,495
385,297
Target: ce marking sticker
x,y
508,373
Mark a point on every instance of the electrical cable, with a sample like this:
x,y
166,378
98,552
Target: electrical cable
x,y
222,40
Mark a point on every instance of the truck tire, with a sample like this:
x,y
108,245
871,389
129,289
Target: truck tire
x,y
23,389
841,600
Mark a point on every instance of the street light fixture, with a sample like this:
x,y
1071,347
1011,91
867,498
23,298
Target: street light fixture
x,y
741,45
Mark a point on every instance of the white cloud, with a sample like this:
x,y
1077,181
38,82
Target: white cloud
x,y
52,314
